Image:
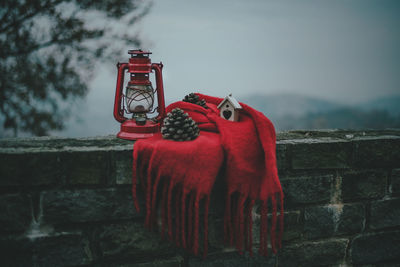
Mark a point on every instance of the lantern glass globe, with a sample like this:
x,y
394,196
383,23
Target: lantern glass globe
x,y
139,98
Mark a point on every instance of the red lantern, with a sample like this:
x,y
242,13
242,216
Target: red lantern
x,y
138,99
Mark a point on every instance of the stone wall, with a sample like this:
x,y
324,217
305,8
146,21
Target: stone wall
x,y
67,202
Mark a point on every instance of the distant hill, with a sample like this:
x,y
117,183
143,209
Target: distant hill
x,y
293,111
278,105
390,104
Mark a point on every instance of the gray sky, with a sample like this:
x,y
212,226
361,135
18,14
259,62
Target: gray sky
x,y
340,50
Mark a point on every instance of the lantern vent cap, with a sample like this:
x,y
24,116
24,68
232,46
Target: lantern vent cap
x,y
139,53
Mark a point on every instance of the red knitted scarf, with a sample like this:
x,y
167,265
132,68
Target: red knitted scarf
x,y
178,178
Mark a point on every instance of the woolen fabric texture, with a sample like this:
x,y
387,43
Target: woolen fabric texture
x,y
178,178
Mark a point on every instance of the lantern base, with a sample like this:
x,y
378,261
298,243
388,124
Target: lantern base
x,y
130,130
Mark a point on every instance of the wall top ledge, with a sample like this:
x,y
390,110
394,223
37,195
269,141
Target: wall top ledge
x,y
110,142
337,134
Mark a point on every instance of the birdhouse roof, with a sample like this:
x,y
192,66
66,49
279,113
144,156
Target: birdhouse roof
x,y
231,100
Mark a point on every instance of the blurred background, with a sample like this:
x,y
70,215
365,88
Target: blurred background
x,y
305,64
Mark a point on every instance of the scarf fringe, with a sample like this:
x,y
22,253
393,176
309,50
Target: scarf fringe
x,y
238,217
174,202
238,223
135,180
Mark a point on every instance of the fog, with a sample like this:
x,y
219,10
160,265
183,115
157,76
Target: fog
x,y
343,51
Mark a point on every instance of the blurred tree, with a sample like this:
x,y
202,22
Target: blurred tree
x,y
48,50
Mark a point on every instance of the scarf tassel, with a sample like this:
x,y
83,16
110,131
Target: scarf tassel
x,y
174,221
238,223
238,218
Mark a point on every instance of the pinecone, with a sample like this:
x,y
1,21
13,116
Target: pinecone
x,y
178,126
195,99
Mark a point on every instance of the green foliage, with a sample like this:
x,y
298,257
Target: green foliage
x,y
49,50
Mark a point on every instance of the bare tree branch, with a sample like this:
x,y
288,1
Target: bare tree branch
x,y
47,58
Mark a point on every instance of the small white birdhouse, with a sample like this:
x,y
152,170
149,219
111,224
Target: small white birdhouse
x,y
229,108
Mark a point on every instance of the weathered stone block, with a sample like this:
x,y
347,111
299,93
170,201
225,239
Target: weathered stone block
x,y
122,166
351,220
321,253
364,184
307,189
261,261
23,169
88,205
16,252
15,213
377,152
395,185
330,220
132,240
232,259
321,155
170,262
227,259
293,226
319,221
86,167
386,264
282,157
376,247
385,213
61,250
